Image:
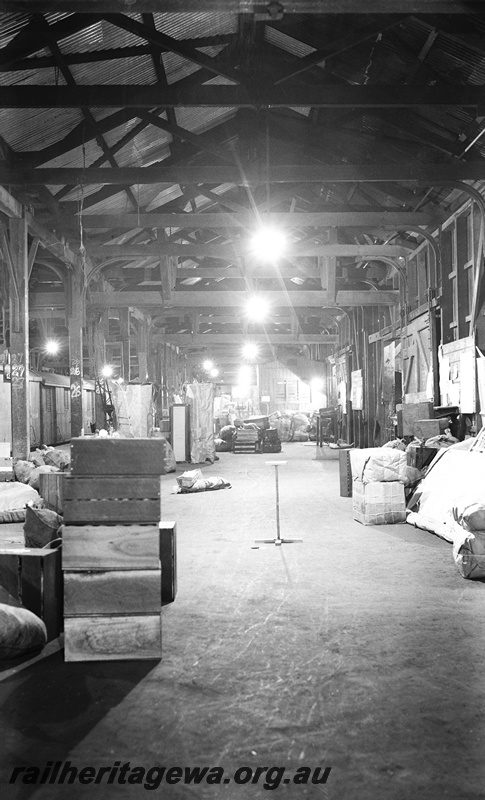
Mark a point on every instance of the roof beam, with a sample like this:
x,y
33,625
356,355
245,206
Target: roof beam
x,y
240,220
266,271
232,251
213,95
255,174
209,339
314,299
250,6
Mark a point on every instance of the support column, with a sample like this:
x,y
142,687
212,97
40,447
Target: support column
x,y
328,266
19,338
125,343
100,336
75,319
142,346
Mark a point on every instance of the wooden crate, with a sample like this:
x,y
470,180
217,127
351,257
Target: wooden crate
x,y
105,547
51,490
168,557
33,578
113,638
111,499
411,412
112,592
427,428
111,456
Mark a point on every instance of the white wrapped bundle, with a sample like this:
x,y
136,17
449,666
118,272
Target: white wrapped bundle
x,y
469,554
379,465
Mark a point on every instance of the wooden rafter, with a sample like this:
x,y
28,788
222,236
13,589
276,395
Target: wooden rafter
x,y
201,142
288,173
43,25
221,95
245,6
182,48
246,219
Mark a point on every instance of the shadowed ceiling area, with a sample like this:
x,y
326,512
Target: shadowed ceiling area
x,y
151,146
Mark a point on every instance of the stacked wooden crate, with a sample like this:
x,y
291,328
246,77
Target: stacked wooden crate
x,y
31,577
247,440
111,553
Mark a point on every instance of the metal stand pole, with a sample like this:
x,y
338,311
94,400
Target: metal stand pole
x,y
277,540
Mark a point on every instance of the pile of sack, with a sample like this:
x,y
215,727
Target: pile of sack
x,y
293,427
194,481
223,441
43,460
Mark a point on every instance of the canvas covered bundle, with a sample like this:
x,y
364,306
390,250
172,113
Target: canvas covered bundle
x,y
469,554
379,465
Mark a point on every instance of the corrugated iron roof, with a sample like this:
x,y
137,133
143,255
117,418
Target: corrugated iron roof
x,y
35,128
392,58
192,25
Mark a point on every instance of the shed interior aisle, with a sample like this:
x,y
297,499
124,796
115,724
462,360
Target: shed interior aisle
x,y
360,649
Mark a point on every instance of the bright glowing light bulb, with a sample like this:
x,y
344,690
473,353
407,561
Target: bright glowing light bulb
x,y
250,351
316,384
107,371
51,347
257,309
268,243
208,365
214,373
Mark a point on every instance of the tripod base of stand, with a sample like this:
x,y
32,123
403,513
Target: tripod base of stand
x,y
277,541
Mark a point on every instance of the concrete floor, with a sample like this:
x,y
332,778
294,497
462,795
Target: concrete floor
x,y
361,649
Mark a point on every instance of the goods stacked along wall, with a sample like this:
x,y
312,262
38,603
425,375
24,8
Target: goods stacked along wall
x,y
379,475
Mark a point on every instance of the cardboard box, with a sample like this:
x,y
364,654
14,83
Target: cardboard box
x,y
378,503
